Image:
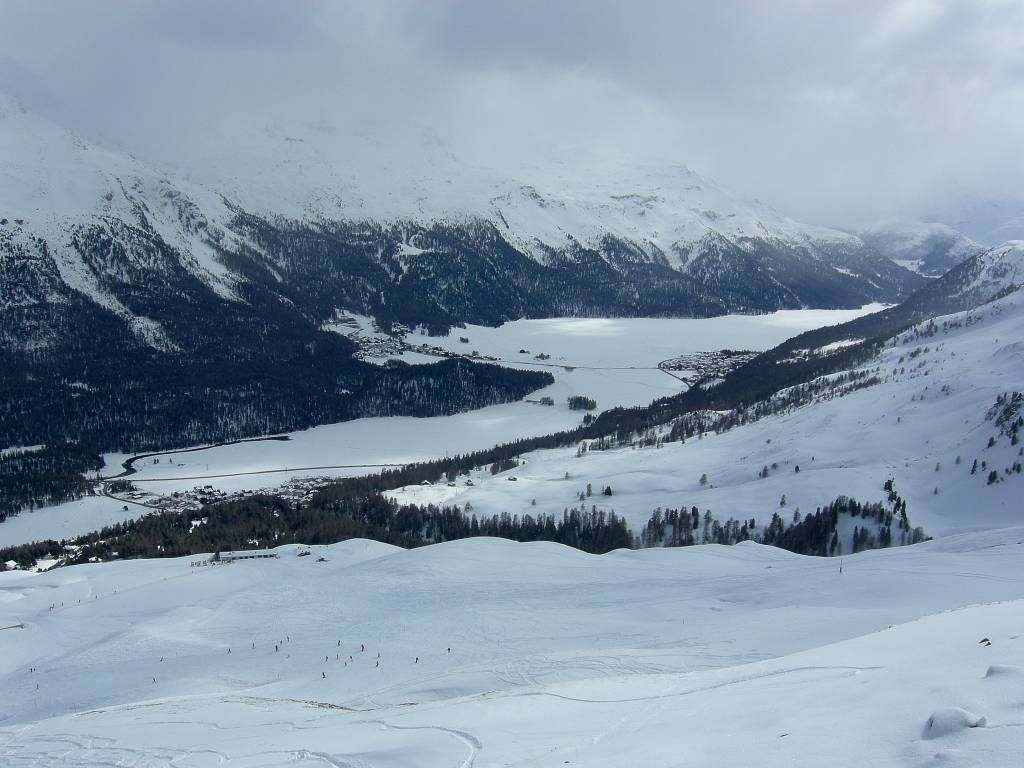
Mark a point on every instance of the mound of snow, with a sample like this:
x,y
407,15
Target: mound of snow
x,y
950,720
1004,670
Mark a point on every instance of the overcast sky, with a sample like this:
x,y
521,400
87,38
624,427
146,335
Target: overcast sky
x,y
835,112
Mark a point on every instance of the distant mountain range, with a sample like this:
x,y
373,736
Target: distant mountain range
x,y
438,244
928,248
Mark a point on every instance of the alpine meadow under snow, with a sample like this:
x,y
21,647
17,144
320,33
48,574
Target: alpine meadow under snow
x,y
409,384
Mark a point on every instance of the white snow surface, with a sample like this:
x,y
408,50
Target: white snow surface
x,y
627,342
72,518
726,656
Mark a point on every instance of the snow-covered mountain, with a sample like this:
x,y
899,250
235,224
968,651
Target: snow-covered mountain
x,y
281,206
995,272
928,248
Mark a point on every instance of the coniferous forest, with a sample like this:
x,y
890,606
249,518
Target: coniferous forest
x,y
45,476
266,521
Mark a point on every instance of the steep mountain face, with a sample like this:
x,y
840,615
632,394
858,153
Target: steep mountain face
x,y
928,248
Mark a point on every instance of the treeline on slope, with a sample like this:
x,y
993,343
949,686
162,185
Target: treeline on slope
x,y
44,476
816,533
789,370
267,521
614,428
787,365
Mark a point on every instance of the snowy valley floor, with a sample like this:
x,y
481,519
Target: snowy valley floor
x,y
613,360
727,656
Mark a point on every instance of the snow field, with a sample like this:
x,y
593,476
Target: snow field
x,y
717,655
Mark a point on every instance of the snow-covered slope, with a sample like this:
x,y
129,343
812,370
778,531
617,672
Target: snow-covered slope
x,y
51,181
485,653
996,270
928,248
933,413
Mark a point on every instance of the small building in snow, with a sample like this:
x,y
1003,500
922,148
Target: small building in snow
x,y
242,554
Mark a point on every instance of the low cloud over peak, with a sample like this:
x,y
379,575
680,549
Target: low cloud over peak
x,y
834,112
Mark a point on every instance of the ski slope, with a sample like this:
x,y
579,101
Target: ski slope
x,y
697,656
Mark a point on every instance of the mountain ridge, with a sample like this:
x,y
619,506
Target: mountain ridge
x,y
670,231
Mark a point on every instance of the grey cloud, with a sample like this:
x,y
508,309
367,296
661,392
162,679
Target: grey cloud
x,y
836,112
